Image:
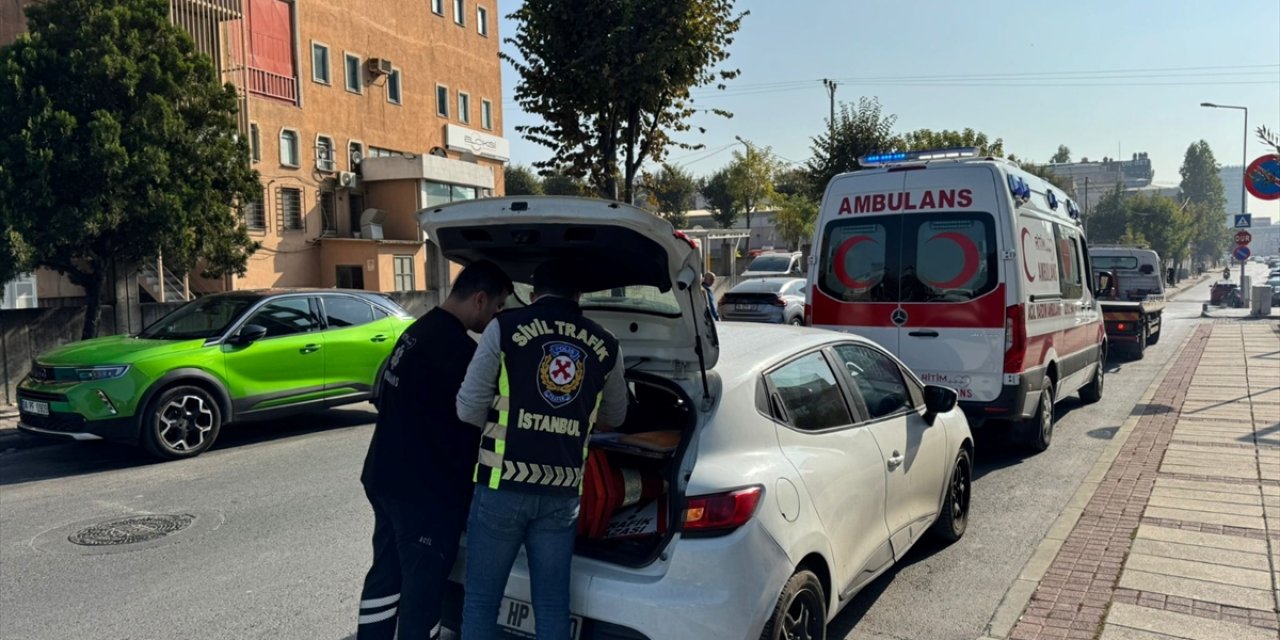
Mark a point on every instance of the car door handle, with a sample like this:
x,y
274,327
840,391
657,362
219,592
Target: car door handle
x,y
895,461
378,338
923,334
311,348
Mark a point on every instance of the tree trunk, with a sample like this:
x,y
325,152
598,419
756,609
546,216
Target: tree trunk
x,y
746,252
93,302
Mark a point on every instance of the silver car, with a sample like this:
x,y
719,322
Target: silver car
x,y
764,474
775,300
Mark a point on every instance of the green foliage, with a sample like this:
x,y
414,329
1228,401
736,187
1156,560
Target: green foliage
x,y
519,180
560,183
117,140
1201,183
610,79
857,131
720,198
1063,155
924,139
1156,221
1210,237
751,178
794,218
671,192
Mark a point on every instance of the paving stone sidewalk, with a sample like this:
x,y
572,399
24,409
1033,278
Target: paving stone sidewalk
x,y
1181,539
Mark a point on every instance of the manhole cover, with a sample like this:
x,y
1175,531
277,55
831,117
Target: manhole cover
x,y
131,530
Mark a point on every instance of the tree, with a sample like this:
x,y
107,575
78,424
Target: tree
x,y
795,217
1159,222
751,178
117,140
925,139
1202,188
521,181
857,131
671,191
1062,156
611,79
1046,172
1109,220
560,183
720,198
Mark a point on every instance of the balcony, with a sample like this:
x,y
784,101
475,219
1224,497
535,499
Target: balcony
x,y
273,85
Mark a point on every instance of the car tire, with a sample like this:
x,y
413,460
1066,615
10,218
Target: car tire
x,y
1092,392
801,611
796,322
1037,431
181,422
1140,347
954,519
1153,338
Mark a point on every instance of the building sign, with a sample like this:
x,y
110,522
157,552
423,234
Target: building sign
x,y
482,144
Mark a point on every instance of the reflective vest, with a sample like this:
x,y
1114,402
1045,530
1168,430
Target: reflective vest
x,y
554,362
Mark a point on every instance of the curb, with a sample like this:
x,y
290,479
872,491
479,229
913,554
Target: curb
x,y
1018,595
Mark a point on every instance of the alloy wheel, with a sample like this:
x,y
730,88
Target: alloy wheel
x,y
184,422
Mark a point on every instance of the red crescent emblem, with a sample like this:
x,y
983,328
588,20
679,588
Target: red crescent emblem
x,y
842,253
1025,268
970,265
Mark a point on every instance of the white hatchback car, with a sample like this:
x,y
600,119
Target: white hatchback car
x,y
797,464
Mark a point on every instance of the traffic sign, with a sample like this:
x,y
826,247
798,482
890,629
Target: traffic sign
x,y
1241,254
1244,221
1262,177
1243,238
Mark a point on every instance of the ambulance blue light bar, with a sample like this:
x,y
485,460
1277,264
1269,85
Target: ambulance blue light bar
x,y
882,159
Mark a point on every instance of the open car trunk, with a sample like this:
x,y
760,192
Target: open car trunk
x,y
632,503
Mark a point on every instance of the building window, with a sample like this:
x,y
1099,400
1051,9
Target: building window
x,y
464,108
355,82
272,72
393,86
320,63
255,142
437,7
255,216
482,21
328,213
355,153
486,114
289,148
324,154
442,101
379,152
459,12
291,208
350,276
403,266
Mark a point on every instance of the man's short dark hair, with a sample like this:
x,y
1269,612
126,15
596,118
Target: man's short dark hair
x,y
482,276
557,277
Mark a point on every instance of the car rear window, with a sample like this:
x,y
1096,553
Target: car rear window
x,y
1122,263
948,257
771,263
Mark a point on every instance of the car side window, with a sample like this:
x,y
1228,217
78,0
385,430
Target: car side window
x,y
811,398
877,377
286,317
344,311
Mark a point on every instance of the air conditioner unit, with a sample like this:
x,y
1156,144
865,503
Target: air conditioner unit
x,y
347,179
379,66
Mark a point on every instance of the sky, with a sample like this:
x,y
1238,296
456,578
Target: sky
x,y
1106,78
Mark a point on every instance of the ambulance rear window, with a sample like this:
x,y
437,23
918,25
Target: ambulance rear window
x,y
856,265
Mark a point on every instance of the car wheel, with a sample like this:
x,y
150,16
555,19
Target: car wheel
x,y
1038,429
796,322
954,518
181,422
1092,392
801,612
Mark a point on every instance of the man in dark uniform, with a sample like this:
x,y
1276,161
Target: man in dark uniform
x,y
417,474
541,378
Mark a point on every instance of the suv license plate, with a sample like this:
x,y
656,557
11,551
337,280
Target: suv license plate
x,y
517,617
36,407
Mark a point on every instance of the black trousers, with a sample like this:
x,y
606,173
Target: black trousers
x,y
414,546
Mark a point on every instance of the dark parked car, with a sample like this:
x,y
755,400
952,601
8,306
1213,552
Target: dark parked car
x,y
1222,292
775,300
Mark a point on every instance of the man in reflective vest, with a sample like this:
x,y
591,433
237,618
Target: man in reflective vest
x,y
541,378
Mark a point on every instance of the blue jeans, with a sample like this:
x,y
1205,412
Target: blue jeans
x,y
501,521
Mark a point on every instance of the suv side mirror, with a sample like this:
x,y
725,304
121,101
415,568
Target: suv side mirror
x,y
938,400
248,334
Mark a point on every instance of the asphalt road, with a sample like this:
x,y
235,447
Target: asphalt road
x,y
280,543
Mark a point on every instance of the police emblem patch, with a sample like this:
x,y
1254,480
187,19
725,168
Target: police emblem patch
x,y
560,373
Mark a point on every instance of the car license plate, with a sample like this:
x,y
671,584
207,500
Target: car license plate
x,y
744,307
517,617
36,407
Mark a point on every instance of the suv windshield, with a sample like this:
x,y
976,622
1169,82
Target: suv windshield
x,y
202,319
780,264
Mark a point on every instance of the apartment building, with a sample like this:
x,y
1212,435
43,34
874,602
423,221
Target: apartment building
x,y
357,114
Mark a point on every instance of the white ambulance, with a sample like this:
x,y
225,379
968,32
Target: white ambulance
x,y
973,272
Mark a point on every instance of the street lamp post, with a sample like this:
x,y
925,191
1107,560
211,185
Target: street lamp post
x,y
1244,165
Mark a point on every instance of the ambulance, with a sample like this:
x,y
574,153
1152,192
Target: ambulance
x,y
972,271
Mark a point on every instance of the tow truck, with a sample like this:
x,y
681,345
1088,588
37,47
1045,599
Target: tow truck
x,y
1132,316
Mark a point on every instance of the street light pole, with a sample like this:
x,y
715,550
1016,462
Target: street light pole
x,y
1244,165
747,159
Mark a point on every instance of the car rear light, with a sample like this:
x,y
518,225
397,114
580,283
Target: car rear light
x,y
1015,339
778,302
720,513
1120,326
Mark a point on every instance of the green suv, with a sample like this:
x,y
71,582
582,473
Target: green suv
x,y
215,360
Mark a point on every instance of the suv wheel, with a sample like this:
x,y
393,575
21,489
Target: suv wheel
x,y
181,422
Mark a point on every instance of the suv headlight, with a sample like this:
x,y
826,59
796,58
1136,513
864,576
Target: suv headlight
x,y
104,372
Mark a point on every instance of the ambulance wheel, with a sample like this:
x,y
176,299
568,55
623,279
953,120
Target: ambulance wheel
x,y
801,612
1037,431
1092,392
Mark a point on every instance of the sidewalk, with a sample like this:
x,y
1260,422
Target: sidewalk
x,y
1176,533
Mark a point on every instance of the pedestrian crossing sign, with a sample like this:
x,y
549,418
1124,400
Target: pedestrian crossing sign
x,y
1244,221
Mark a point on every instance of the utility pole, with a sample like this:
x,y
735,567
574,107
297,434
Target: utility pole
x,y
831,96
1086,205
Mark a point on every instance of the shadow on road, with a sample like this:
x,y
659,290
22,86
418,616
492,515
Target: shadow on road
x,y
44,462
